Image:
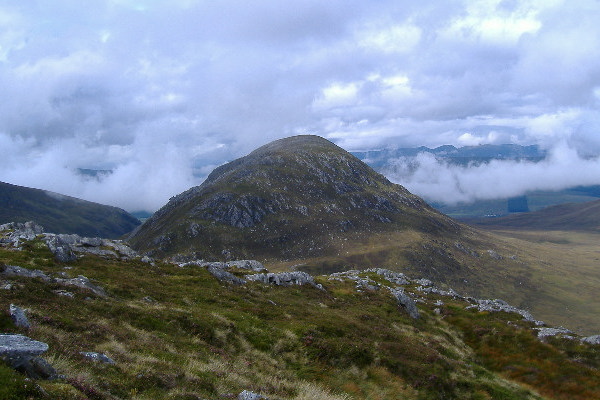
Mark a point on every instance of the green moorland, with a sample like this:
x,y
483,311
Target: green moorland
x,y
178,333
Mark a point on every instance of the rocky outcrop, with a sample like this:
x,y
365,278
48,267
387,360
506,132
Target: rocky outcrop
x,y
224,276
81,281
595,339
284,278
497,305
65,247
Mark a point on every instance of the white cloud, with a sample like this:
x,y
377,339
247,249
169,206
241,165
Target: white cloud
x,y
100,86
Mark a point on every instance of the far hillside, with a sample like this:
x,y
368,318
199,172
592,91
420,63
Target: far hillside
x,y
571,216
63,214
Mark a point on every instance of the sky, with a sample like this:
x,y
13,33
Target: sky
x,y
160,92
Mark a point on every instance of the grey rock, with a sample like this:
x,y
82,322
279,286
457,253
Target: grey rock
x,y
284,278
224,276
19,317
83,283
61,248
21,232
498,305
494,255
247,395
405,301
147,260
64,293
17,350
247,264
543,333
98,357
14,270
591,339
38,368
391,276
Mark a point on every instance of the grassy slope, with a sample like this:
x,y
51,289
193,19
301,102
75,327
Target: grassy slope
x,y
571,216
200,338
63,214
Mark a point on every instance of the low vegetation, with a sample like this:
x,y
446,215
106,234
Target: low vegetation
x,y
178,333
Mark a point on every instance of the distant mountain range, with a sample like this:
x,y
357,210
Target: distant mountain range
x,y
63,214
455,155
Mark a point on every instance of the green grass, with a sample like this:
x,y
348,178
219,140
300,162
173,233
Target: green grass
x,y
205,339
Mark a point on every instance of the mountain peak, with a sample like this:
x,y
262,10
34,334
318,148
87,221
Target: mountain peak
x,y
294,196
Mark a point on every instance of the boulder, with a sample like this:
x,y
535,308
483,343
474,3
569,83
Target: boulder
x,y
17,350
18,316
61,248
406,302
224,276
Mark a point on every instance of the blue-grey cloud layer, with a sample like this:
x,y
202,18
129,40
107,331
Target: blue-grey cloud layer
x,y
160,91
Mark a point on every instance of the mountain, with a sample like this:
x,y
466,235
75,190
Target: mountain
x,y
571,216
296,197
63,214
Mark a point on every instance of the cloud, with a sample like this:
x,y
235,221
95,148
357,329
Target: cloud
x,y
438,181
114,83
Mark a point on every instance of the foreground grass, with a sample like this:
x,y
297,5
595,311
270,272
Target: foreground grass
x,y
177,333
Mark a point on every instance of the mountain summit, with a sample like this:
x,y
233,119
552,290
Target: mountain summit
x,y
298,196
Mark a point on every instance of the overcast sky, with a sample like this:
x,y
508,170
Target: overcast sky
x,y
162,91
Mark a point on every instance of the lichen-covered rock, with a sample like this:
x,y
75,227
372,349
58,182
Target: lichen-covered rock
x,y
19,317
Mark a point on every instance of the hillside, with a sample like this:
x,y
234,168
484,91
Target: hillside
x,y
576,217
63,214
300,196
148,329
